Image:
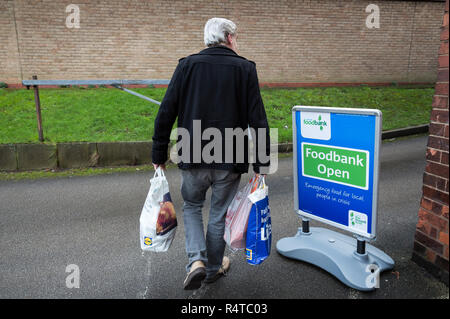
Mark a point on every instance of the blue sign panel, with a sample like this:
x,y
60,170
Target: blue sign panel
x,y
336,166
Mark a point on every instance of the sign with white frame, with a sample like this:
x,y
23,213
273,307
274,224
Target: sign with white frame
x,y
336,165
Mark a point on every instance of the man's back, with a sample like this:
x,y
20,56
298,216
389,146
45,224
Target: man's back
x,y
215,88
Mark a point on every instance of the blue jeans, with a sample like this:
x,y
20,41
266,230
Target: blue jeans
x,y
224,185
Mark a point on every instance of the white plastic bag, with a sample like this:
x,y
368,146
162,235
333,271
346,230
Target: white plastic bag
x,y
158,221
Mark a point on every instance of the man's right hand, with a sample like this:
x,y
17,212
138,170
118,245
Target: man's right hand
x,y
155,166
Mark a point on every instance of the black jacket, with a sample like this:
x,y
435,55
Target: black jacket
x,y
221,89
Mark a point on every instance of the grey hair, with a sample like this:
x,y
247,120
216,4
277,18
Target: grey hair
x,y
217,30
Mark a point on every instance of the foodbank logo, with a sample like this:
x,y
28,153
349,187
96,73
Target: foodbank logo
x,y
357,220
315,125
321,123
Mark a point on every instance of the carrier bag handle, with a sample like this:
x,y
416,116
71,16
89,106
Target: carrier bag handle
x,y
159,172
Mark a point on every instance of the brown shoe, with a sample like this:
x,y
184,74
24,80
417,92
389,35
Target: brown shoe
x,y
221,272
195,276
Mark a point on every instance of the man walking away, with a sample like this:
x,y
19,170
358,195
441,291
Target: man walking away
x,y
217,89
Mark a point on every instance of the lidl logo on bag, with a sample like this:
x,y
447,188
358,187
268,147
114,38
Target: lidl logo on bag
x,y
147,241
316,125
266,231
266,225
249,253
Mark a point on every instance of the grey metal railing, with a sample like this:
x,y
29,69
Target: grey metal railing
x,y
114,83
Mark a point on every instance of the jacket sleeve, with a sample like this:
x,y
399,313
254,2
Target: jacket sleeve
x,y
165,118
258,122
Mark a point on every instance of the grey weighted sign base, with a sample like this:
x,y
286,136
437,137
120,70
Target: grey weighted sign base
x,y
336,253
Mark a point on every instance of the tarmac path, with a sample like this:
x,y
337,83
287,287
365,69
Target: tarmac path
x,y
93,222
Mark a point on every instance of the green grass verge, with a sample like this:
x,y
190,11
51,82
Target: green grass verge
x,y
106,114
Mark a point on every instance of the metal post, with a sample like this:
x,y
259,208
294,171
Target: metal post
x,y
305,225
361,246
37,101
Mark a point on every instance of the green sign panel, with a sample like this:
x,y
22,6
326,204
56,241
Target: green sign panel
x,y
336,164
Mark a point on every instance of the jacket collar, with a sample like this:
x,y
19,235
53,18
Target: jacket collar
x,y
218,50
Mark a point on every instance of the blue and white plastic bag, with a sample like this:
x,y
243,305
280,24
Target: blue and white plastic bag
x,y
259,229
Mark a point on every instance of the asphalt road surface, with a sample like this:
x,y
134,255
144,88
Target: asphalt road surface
x,y
93,223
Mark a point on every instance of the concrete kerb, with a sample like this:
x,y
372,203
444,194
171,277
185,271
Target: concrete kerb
x,y
77,155
412,130
36,156
124,153
20,157
8,157
24,157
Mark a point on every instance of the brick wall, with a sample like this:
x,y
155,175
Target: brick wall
x,y
290,40
9,55
431,239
